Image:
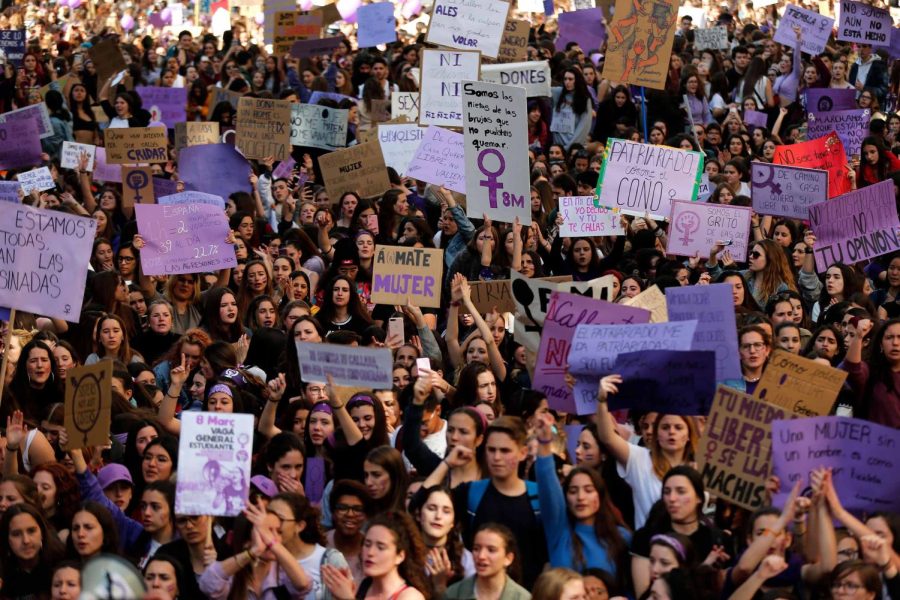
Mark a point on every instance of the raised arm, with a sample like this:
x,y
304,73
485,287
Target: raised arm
x,y
337,398
266,425
452,334
619,448
758,549
166,415
496,359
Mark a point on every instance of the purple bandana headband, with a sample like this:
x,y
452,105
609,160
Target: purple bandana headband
x,y
322,407
668,540
221,387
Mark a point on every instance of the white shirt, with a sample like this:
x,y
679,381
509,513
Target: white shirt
x,y
647,487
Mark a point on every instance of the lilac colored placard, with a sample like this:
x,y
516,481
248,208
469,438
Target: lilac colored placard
x,y
822,100
594,349
216,169
308,48
851,126
697,226
563,314
316,96
34,112
5,314
50,261
583,26
815,29
440,159
19,145
755,118
164,187
192,197
855,226
166,105
360,367
861,454
572,433
315,478
376,24
12,42
284,169
677,382
183,238
894,50
785,191
9,191
549,8
104,171
864,24
712,306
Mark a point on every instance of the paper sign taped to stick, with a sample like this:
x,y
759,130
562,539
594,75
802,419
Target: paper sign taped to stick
x,y
698,226
440,159
787,191
468,25
263,128
196,133
183,238
318,126
88,404
357,169
640,42
583,219
826,153
214,452
131,145
802,386
368,368
440,91
534,76
401,273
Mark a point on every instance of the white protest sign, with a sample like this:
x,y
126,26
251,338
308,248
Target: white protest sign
x,y
405,104
496,142
864,24
38,179
214,450
399,143
440,96
641,178
583,219
318,126
715,38
814,29
44,259
468,24
534,76
440,159
72,152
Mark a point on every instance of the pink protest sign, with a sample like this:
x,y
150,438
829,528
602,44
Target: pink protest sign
x,y
697,226
183,238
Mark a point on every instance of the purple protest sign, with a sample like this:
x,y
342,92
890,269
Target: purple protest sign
x,y
755,118
572,434
9,191
583,26
309,48
712,306
376,24
850,125
192,197
183,238
216,169
822,100
856,226
44,262
12,42
594,349
20,145
440,159
785,191
861,454
166,105
315,478
164,187
316,96
864,24
815,29
34,112
697,226
103,171
563,314
284,169
894,50
676,382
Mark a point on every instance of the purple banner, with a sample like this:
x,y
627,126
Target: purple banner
x,y
12,42
712,306
861,454
755,118
822,100
308,48
166,105
183,238
376,24
216,169
894,50
192,197
164,187
787,191
851,126
20,145
316,96
667,381
583,26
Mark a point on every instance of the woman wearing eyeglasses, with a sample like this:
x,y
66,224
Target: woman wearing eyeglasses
x,y
754,347
196,546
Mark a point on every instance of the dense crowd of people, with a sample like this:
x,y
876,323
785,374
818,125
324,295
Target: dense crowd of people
x,y
459,482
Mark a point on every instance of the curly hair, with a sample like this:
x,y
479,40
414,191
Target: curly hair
x,y
409,541
68,493
304,512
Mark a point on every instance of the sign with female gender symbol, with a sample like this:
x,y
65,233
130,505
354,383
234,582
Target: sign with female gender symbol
x,y
496,145
698,226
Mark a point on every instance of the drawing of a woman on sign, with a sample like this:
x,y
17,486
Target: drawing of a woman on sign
x,y
230,486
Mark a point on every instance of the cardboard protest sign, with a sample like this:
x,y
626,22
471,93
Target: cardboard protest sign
x,y
714,38
130,145
640,43
310,48
270,9
440,90
43,260
861,454
263,128
214,453
399,142
675,382
363,367
216,169
595,348
163,187
9,191
697,226
167,105
534,76
815,29
804,387
318,126
440,160
642,178
851,126
496,294
12,42
183,238
496,150
405,104
220,95
787,191
72,153
196,133
20,145
376,24
103,171
292,25
653,300
582,219
468,25
401,273
822,100
712,306
825,153
585,27
36,180
864,24
755,118
357,169
514,43
857,226
564,313
192,197
34,112
137,186
88,404
736,447
107,58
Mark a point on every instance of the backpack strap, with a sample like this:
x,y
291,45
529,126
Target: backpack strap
x,y
533,497
476,493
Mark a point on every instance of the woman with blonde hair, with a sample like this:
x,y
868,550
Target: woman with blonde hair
x,y
769,271
558,584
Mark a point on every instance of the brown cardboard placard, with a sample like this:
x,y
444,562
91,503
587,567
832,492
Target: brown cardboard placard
x,y
137,186
264,128
514,43
497,294
653,300
357,169
640,44
196,133
803,386
400,273
107,58
88,401
295,25
132,145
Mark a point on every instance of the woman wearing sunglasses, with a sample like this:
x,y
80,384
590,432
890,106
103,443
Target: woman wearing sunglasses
x,y
768,272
